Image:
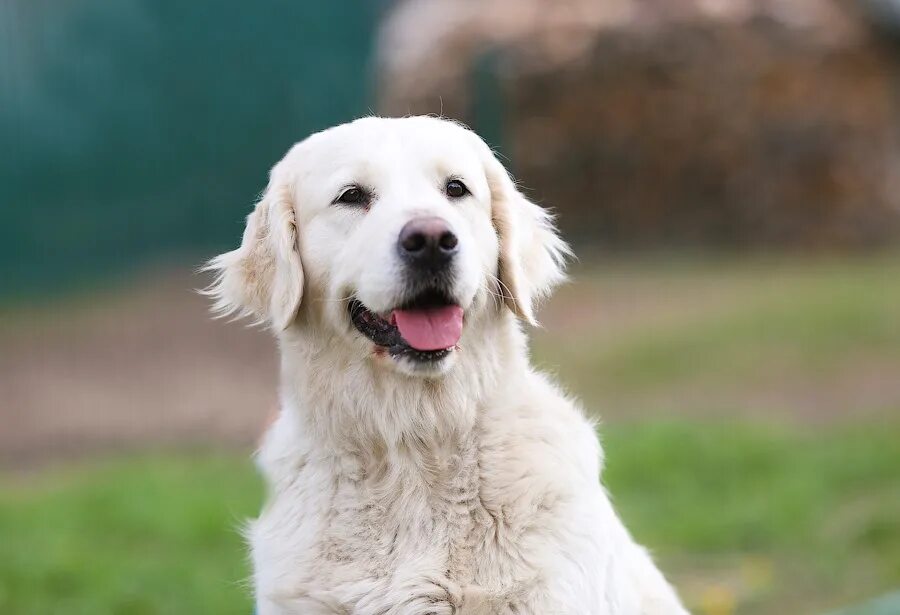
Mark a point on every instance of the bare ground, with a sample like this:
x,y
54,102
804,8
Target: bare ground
x,y
141,366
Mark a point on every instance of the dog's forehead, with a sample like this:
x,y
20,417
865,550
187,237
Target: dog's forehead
x,y
389,145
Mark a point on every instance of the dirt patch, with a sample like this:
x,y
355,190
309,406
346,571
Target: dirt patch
x,y
136,367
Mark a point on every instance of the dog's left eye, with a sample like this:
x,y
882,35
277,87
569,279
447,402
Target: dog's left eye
x,y
456,189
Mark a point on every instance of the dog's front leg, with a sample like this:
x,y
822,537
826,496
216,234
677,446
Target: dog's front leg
x,y
301,601
417,595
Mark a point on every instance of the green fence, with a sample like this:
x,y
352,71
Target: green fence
x,y
136,129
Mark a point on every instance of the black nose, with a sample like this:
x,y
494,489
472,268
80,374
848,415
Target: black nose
x,y
427,243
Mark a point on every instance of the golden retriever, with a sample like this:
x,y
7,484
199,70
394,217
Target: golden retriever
x,y
419,465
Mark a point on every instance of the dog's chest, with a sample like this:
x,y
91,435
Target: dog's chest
x,y
427,510
402,516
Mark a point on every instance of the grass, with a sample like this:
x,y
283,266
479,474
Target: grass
x,y
140,536
769,517
772,516
751,426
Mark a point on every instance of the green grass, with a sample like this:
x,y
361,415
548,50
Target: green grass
x,y
142,536
820,512
768,488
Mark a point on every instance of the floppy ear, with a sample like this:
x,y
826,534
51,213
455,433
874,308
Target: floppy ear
x,y
532,254
263,278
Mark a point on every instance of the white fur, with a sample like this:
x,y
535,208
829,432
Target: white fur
x,y
470,487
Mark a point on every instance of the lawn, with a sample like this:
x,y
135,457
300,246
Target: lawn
x,y
151,534
771,521
751,420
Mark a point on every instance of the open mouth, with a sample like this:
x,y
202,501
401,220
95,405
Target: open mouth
x,y
426,328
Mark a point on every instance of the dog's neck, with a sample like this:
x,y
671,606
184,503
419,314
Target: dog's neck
x,y
347,402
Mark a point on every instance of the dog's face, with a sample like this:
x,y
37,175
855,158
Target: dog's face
x,y
400,238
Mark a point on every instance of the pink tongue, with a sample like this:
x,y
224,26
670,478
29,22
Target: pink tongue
x,y
431,328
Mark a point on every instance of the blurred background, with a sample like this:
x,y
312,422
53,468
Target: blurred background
x,y
727,170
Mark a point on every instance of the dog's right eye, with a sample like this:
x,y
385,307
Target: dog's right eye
x,y
354,195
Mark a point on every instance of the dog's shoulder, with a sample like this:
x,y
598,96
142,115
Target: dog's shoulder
x,y
537,431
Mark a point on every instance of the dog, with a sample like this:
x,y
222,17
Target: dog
x,y
419,464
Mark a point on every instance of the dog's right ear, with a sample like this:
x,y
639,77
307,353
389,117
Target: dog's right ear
x,y
263,278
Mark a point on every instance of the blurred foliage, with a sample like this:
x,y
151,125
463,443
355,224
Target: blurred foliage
x,y
614,114
142,127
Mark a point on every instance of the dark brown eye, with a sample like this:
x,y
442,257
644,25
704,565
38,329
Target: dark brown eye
x,y
456,189
354,195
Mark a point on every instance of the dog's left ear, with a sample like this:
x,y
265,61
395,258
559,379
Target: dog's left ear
x,y
263,278
532,254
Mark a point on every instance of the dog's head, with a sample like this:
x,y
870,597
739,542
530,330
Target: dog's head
x,y
401,238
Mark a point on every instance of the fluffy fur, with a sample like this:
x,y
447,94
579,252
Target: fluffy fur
x,y
469,486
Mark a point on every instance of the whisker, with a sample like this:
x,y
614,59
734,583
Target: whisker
x,y
502,286
491,291
338,300
496,298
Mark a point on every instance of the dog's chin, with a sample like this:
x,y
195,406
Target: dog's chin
x,y
389,347
429,368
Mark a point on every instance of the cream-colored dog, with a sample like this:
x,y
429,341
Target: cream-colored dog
x,y
419,465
